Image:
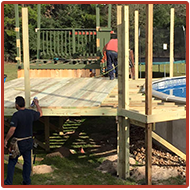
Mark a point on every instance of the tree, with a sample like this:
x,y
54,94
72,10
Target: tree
x,y
82,16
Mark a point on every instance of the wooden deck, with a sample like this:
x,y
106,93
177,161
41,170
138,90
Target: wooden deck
x,y
59,93
84,97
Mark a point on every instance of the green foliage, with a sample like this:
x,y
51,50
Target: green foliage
x,y
81,16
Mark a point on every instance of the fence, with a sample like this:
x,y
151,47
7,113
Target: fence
x,y
67,43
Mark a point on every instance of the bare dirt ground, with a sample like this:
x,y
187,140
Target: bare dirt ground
x,y
164,164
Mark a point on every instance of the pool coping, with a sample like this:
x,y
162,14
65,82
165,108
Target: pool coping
x,y
166,97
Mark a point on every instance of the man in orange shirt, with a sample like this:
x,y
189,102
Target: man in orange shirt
x,y
111,49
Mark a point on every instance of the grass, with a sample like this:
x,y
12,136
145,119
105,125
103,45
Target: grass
x,y
80,169
10,69
69,171
158,70
77,169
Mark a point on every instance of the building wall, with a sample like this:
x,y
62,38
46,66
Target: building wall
x,y
174,132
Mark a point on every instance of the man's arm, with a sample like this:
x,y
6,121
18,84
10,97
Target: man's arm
x,y
9,135
36,102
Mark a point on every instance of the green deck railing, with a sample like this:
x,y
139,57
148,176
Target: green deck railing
x,y
69,48
68,43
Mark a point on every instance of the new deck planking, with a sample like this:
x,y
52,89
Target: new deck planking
x,y
82,93
61,92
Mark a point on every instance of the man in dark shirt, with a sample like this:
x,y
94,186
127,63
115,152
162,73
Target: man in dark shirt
x,y
21,128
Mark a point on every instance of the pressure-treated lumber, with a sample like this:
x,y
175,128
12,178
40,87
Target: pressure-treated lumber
x,y
17,30
171,41
126,124
120,171
136,44
166,115
168,145
123,90
148,91
47,134
26,55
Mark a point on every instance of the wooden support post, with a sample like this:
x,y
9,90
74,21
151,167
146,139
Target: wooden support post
x,y
26,55
17,30
136,44
123,90
109,15
97,29
32,170
120,90
148,91
126,125
171,42
38,30
148,145
47,143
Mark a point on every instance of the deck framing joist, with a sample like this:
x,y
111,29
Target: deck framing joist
x,y
105,111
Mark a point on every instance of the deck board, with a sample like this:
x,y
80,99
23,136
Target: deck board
x,y
61,92
75,96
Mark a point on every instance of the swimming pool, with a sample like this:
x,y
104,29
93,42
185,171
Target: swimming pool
x,y
170,89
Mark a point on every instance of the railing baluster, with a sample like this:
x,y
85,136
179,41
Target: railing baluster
x,y
69,43
93,46
54,44
89,43
79,44
51,53
47,44
73,41
66,42
82,43
58,43
43,44
86,42
62,43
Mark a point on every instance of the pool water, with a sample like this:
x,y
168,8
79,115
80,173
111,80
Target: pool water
x,y
170,89
179,91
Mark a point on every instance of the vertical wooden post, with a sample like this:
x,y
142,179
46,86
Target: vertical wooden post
x,y
32,169
148,91
171,42
126,58
26,55
126,87
97,29
47,143
109,15
126,125
136,44
17,30
73,41
119,30
123,92
38,30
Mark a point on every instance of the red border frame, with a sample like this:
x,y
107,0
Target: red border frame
x,y
95,186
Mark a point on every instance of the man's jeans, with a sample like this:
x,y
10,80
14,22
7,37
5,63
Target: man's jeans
x,y
25,147
112,59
